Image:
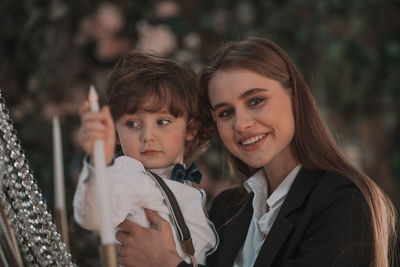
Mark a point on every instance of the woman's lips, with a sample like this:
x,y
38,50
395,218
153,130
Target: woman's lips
x,y
253,142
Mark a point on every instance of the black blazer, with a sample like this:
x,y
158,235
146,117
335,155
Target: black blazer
x,y
324,221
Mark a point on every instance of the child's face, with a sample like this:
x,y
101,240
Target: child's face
x,y
157,139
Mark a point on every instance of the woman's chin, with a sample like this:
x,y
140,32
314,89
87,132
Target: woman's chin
x,y
255,165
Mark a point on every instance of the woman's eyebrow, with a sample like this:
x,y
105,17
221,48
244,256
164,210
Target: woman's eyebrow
x,y
251,92
220,105
242,96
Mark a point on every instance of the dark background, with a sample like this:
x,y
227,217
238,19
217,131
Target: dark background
x,y
349,52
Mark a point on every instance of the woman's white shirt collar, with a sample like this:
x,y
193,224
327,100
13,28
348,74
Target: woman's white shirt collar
x,y
265,211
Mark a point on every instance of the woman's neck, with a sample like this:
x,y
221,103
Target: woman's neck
x,y
277,170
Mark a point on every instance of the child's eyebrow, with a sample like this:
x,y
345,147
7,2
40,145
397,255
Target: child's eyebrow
x,y
241,96
166,112
161,113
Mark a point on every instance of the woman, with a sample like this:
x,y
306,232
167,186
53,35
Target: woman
x,y
303,203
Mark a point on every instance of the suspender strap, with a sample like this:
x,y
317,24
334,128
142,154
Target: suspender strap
x,y
176,213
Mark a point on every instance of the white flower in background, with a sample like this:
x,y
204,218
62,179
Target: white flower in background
x,y
353,154
192,41
166,9
157,39
184,56
103,27
108,21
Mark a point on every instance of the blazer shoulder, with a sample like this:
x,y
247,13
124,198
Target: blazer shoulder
x,y
333,188
334,183
329,220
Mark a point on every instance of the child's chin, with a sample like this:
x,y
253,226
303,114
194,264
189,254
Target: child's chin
x,y
153,166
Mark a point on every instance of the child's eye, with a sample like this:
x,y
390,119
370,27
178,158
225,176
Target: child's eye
x,y
163,122
132,124
255,101
225,113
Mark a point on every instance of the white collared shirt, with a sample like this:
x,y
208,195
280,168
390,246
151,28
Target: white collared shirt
x,y
131,190
265,211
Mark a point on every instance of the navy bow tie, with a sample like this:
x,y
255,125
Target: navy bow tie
x,y
180,174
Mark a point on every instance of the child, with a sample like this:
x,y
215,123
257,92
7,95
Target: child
x,y
154,105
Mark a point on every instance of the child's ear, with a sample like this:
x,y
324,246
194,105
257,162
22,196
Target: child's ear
x,y
191,129
117,138
190,135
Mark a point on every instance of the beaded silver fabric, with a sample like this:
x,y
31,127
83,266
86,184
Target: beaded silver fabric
x,y
36,233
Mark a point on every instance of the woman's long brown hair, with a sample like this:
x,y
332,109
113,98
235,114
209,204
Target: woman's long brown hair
x,y
313,145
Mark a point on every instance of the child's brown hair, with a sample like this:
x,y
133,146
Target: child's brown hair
x,y
138,76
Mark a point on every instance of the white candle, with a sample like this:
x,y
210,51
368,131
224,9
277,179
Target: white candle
x,y
106,228
58,166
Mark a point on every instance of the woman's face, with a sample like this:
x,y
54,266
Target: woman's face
x,y
254,117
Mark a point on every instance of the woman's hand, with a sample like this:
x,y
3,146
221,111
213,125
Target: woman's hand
x,y
96,125
147,246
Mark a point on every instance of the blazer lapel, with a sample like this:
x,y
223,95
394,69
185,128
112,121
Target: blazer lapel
x,y
282,227
234,234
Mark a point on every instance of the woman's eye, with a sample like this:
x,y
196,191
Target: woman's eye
x,y
225,113
132,124
163,122
256,100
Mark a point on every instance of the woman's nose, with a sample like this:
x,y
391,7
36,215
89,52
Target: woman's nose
x,y
243,121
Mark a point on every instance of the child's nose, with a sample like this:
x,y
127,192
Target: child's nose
x,y
148,134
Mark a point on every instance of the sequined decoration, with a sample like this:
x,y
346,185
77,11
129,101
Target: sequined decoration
x,y
37,235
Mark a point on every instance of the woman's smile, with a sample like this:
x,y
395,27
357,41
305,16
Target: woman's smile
x,y
250,143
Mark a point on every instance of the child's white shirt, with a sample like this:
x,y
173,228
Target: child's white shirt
x,y
132,189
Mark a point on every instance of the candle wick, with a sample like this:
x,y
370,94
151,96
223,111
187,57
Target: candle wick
x,y
93,99
93,96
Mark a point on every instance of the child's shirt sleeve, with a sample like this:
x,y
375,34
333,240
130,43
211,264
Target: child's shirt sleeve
x,y
86,211
126,195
